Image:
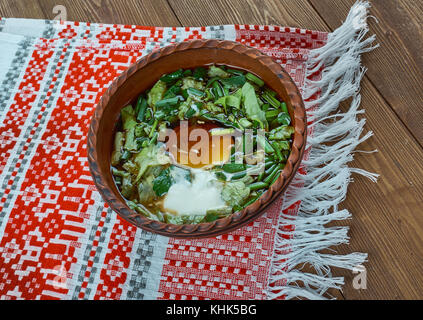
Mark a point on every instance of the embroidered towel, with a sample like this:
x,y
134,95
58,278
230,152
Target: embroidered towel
x,y
59,240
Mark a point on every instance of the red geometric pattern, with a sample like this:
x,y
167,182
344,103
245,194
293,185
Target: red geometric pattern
x,y
57,238
230,266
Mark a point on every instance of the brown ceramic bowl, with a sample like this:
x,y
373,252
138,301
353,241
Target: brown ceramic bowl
x,y
142,75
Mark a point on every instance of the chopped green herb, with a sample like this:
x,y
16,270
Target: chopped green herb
x,y
162,183
229,103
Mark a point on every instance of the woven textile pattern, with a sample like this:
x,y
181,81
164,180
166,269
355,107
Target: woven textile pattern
x,y
58,239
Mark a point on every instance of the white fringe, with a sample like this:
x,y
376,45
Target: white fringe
x,y
324,186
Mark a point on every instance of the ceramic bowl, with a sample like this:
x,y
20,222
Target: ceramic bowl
x,y
142,75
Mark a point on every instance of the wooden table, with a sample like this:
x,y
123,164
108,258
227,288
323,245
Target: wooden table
x,y
387,216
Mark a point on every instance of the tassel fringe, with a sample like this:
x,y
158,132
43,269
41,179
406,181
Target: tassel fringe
x,y
331,147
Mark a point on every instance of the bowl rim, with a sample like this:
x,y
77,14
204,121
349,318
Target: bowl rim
x,y
235,220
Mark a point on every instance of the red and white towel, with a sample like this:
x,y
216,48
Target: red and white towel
x,y
59,240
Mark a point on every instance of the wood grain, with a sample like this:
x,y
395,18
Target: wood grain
x,y
146,12
295,13
395,69
387,217
21,9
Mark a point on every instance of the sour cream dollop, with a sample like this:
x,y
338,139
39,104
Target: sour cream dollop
x,y
196,197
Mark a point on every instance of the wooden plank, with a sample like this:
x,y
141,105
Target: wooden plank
x,y
150,12
387,217
396,68
295,13
20,9
394,225
147,12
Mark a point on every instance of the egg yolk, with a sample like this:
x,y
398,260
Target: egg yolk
x,y
197,147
